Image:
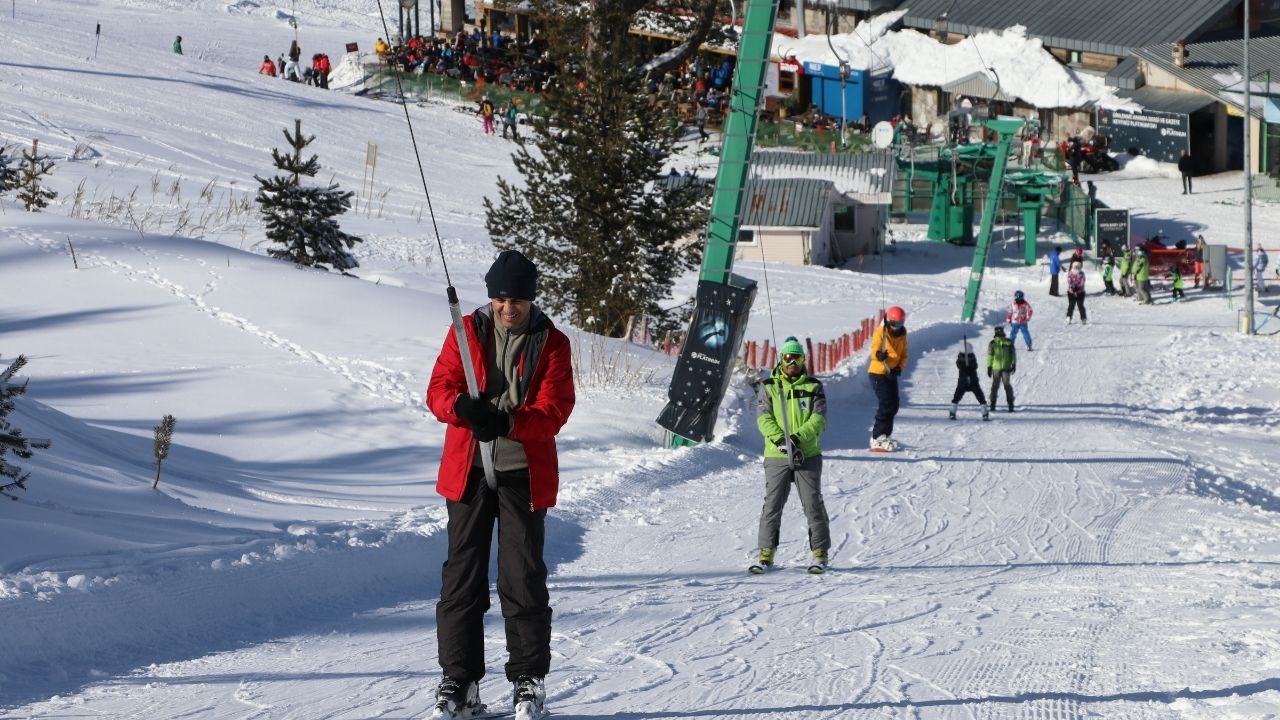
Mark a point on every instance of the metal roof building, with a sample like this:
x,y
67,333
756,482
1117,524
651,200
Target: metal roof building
x,y
790,202
866,177
1209,67
1109,27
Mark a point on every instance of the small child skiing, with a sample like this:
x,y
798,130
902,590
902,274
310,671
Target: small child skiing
x,y
1108,271
967,365
1002,361
1175,274
1018,315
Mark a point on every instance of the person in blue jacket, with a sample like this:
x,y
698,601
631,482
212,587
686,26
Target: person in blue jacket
x,y
1055,268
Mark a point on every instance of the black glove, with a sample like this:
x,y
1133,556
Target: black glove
x,y
797,456
895,371
989,373
473,411
882,355
497,425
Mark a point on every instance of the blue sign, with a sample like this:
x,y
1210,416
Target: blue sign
x,y
876,96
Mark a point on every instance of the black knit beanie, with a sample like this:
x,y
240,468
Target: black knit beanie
x,y
512,276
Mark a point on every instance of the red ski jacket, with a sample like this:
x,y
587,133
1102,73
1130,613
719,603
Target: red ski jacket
x,y
546,400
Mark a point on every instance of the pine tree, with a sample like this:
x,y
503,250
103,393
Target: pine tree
x,y
607,230
299,219
11,439
9,177
31,192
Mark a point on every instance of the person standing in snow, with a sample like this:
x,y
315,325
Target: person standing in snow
x,y
524,367
1184,169
1075,156
1260,269
509,117
1202,249
1125,270
967,365
1018,315
1142,276
292,71
888,360
1178,283
486,113
792,415
700,121
1055,267
1108,272
177,45
1002,361
1075,293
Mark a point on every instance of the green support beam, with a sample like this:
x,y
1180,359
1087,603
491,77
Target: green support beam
x,y
739,138
1005,128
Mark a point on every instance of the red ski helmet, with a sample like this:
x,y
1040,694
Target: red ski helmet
x,y
895,314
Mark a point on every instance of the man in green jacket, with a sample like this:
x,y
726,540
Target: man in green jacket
x,y
1142,276
792,417
1002,362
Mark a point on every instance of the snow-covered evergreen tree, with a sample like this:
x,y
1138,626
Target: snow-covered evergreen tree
x,y
33,194
299,218
11,439
8,173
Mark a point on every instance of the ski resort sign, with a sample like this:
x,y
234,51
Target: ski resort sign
x,y
1158,135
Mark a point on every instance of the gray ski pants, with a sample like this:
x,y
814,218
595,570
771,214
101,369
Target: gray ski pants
x,y
777,486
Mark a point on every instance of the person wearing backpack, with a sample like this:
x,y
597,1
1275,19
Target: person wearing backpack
x,y
967,365
1075,293
1002,361
486,112
509,121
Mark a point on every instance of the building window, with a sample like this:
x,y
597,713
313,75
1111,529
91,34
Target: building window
x,y
786,82
1074,57
747,237
784,9
844,219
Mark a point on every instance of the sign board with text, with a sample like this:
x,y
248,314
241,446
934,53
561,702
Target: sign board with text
x,y
1158,135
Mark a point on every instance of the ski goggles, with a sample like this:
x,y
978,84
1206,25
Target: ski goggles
x,y
895,324
792,359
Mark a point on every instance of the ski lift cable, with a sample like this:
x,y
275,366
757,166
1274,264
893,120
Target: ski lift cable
x,y
464,345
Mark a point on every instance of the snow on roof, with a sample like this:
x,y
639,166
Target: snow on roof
x,y
1020,65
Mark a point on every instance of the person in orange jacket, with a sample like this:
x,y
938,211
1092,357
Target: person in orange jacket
x,y
268,66
888,360
524,368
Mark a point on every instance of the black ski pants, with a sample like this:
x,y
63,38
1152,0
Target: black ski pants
x,y
1076,300
969,383
886,389
1053,284
522,579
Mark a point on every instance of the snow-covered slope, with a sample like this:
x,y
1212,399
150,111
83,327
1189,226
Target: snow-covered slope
x,y
1108,551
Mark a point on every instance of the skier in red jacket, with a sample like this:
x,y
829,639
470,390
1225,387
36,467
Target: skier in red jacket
x,y
524,367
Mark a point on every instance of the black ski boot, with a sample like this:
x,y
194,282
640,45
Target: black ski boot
x,y
530,697
456,699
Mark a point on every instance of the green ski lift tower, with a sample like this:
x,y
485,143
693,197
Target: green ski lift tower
x,y
723,300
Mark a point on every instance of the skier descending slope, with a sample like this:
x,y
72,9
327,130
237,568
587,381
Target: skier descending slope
x,y
792,416
888,359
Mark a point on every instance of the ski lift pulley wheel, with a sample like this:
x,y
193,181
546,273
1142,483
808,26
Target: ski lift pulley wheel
x,y
408,4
